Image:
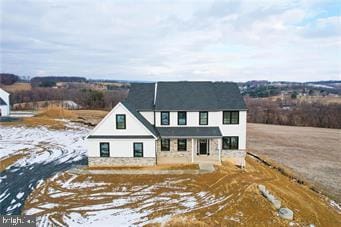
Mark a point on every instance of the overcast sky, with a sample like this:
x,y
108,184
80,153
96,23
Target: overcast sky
x,y
169,40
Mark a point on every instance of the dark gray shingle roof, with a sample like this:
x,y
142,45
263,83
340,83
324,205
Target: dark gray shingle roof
x,y
2,102
198,96
141,96
143,120
189,132
188,96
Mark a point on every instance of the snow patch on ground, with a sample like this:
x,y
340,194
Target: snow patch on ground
x,y
44,145
40,146
20,195
336,206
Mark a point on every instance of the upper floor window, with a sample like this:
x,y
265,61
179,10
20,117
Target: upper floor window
x,y
203,118
120,121
182,118
230,117
138,150
230,143
104,150
165,144
164,118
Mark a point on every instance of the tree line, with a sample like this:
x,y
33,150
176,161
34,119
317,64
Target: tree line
x,y
314,114
86,98
8,79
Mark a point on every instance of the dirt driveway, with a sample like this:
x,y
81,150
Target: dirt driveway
x,y
313,154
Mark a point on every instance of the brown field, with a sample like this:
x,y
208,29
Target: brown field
x,y
52,117
312,154
226,197
326,99
310,99
17,87
90,116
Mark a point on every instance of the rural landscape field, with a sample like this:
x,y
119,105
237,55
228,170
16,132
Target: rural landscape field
x,y
43,157
312,154
44,171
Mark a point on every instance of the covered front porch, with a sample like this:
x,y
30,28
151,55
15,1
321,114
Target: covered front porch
x,y
202,145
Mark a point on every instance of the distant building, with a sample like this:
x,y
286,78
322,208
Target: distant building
x,y
4,103
69,104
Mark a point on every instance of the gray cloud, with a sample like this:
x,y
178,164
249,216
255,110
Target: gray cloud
x,y
151,40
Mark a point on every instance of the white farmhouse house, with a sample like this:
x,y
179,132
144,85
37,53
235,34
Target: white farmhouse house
x,y
172,122
4,103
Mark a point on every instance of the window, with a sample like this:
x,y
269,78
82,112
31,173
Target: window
x,y
182,118
182,145
120,121
165,144
203,118
230,143
104,150
164,118
231,117
138,150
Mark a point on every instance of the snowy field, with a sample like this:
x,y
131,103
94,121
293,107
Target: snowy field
x,y
44,145
43,152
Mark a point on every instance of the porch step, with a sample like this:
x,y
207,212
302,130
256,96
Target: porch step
x,y
206,167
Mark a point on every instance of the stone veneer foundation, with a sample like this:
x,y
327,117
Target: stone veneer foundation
x,y
113,161
174,156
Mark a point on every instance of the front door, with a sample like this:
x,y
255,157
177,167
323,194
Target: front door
x,y
203,146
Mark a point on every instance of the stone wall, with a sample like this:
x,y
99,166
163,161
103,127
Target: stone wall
x,y
113,161
173,155
214,147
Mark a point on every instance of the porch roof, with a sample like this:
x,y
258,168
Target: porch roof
x,y
189,132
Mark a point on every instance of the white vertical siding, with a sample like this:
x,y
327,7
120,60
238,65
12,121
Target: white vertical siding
x,y
215,119
149,115
122,148
4,110
108,125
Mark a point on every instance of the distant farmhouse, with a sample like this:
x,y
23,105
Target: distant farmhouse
x,y
172,122
4,103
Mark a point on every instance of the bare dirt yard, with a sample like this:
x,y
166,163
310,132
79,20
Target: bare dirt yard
x,y
226,197
55,117
312,154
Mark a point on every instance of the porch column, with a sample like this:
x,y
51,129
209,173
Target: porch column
x,y
219,148
192,150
